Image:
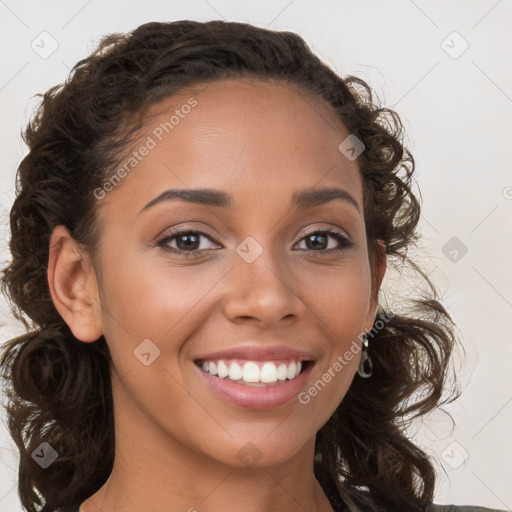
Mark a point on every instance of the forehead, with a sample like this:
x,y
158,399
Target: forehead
x,y
241,114
247,137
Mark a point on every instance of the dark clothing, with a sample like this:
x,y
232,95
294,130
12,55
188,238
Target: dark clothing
x,y
462,508
433,508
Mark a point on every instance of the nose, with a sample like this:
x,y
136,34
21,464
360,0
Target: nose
x,y
261,292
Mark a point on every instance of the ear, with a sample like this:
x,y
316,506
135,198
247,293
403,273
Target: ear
x,y
74,286
378,271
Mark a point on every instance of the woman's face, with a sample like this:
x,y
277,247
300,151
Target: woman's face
x,y
258,270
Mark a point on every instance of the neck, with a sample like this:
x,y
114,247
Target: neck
x,y
263,490
154,471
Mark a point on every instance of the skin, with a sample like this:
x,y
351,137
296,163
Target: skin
x,y
176,442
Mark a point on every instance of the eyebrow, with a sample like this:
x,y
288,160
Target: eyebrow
x,y
301,199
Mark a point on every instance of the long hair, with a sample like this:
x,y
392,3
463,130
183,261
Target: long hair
x,y
59,389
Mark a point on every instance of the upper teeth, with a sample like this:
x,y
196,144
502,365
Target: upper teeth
x,y
252,372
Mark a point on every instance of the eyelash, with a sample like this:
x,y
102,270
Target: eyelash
x,y
344,242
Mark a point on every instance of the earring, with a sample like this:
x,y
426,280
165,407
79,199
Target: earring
x,y
365,363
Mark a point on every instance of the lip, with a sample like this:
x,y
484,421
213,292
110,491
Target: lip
x,y
256,397
258,353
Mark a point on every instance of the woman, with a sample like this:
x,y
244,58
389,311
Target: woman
x,y
203,223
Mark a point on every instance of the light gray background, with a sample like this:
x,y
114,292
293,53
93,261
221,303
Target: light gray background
x,y
456,106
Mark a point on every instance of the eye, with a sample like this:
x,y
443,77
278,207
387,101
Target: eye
x,y
188,242
318,241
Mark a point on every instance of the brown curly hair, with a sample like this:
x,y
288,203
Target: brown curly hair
x,y
59,389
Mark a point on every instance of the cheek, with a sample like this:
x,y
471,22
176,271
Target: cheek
x,y
342,306
148,313
341,297
148,300
163,303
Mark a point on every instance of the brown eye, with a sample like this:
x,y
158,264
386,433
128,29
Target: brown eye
x,y
188,242
318,241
